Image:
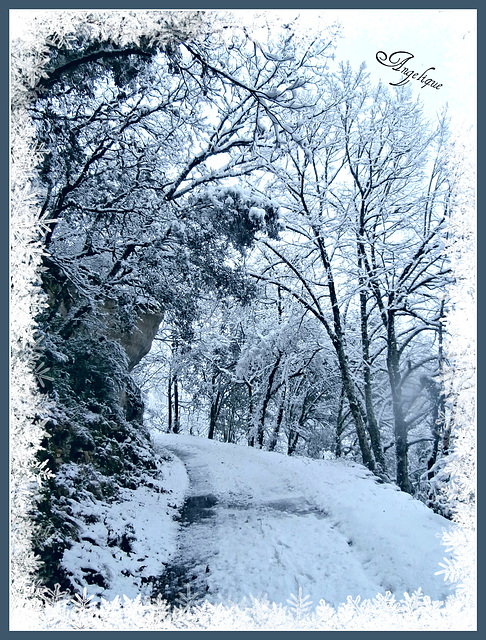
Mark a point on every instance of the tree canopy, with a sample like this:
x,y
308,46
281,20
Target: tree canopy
x,y
277,229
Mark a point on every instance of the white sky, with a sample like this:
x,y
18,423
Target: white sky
x,y
444,39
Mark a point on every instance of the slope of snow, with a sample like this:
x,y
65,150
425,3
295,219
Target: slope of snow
x,y
129,541
277,524
259,523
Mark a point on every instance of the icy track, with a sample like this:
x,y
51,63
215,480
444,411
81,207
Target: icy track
x,y
257,523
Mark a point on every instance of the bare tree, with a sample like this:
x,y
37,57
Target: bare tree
x,y
366,204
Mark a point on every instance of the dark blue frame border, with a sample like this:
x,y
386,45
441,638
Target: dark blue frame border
x,y
4,270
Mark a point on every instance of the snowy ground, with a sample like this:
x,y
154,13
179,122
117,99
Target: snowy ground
x,y
128,542
257,523
275,524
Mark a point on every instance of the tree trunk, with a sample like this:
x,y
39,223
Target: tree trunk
x,y
266,400
355,408
213,416
176,405
215,407
394,377
401,432
371,422
212,421
278,424
294,434
437,427
340,424
292,441
338,343
229,432
251,437
438,398
169,405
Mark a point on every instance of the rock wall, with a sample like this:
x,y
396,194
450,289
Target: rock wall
x,y
96,442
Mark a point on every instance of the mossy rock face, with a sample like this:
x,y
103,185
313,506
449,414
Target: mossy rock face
x,y
110,446
96,443
92,454
55,533
82,481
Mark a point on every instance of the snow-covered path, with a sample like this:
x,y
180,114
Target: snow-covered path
x,y
262,523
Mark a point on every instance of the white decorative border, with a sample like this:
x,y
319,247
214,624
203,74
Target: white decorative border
x,y
29,30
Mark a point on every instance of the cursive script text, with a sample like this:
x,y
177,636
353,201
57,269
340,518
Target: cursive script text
x,y
397,62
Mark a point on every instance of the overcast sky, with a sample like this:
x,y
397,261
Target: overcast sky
x,y
444,39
